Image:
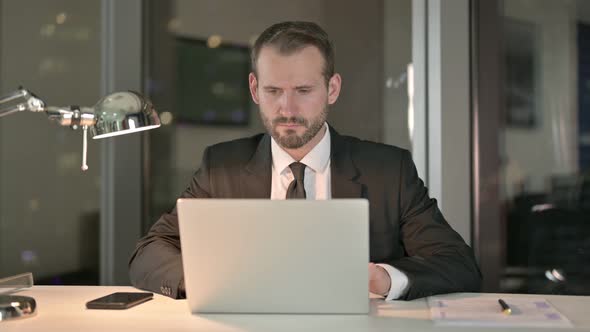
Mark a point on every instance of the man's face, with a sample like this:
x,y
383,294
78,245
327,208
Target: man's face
x,y
292,94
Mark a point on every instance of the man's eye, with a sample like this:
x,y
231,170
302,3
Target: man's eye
x,y
304,91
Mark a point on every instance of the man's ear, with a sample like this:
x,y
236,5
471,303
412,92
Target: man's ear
x,y
334,88
253,84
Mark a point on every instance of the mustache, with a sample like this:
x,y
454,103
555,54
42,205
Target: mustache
x,y
291,120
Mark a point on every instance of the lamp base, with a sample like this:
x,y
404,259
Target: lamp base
x,y
15,306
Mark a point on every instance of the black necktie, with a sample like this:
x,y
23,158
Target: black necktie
x,y
296,188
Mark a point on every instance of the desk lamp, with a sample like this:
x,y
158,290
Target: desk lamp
x,y
119,113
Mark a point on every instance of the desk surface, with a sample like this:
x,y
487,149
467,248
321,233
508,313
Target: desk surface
x,y
62,308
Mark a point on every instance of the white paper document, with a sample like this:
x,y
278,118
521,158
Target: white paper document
x,y
484,310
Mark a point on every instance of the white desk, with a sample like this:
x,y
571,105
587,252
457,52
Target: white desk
x,y
63,309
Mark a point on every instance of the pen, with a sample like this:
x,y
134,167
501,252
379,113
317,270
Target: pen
x,y
505,308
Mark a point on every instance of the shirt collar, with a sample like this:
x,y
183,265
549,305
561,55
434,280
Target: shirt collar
x,y
317,159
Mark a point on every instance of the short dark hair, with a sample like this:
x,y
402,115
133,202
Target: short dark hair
x,y
290,37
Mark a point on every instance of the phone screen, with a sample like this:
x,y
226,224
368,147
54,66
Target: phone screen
x,y
119,300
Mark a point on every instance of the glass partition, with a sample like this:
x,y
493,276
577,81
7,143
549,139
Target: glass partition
x,y
49,208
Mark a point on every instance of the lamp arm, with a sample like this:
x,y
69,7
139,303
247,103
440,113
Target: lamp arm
x,y
24,100
20,100
72,116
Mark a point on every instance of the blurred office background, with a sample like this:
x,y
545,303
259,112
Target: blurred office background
x,y
492,98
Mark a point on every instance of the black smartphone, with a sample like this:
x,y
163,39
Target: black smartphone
x,y
119,300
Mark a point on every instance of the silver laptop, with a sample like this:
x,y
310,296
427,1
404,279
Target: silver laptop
x,y
269,256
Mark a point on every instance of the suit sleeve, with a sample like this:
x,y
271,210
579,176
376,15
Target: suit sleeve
x,y
438,260
156,263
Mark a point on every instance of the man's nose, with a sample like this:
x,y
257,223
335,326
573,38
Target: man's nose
x,y
288,104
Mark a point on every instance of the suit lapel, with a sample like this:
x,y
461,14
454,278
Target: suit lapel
x,y
256,177
343,172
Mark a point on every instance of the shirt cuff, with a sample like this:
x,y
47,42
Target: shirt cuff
x,y
399,282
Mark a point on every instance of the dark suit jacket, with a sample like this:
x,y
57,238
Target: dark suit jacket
x,y
407,230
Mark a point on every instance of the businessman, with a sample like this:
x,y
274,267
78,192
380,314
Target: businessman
x,y
413,250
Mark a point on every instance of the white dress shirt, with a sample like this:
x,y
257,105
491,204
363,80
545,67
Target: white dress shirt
x,y
317,183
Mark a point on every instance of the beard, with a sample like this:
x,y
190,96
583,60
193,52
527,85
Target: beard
x,y
290,140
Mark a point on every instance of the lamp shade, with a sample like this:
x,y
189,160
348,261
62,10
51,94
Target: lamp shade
x,y
122,113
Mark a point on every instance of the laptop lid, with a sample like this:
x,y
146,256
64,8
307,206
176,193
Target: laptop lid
x,y
271,256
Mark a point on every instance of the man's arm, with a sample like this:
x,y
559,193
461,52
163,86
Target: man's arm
x,y
438,261
156,264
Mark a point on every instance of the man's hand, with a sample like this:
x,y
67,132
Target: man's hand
x,y
379,281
